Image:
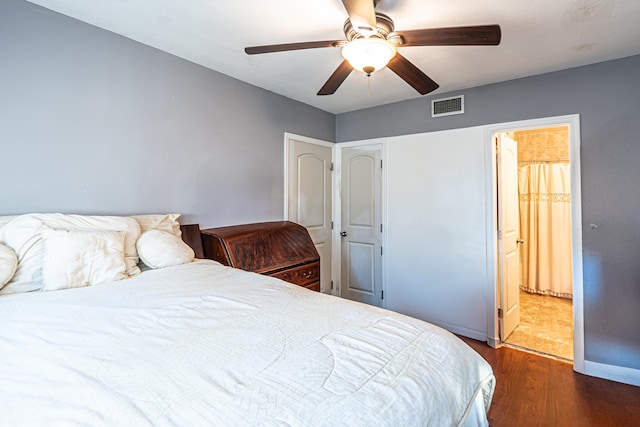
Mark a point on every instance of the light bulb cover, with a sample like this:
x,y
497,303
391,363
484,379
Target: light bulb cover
x,y
371,52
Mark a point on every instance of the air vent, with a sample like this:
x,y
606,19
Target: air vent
x,y
447,106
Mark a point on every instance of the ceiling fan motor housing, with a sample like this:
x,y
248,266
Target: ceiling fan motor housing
x,y
384,28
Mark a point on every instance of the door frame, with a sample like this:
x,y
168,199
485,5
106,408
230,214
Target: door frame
x,y
573,122
337,203
288,137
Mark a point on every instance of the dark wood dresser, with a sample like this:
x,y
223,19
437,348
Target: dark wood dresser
x,y
279,249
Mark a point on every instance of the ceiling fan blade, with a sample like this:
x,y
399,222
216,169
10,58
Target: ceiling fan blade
x,y
412,75
253,50
336,79
362,15
453,36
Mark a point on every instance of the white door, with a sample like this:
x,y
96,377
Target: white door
x,y
508,234
361,225
309,198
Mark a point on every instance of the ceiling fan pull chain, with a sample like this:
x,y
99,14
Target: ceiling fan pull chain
x,y
369,86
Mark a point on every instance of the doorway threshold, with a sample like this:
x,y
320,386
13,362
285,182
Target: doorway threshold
x,y
537,352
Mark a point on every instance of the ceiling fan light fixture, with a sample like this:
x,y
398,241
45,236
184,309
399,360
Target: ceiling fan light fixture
x,y
369,54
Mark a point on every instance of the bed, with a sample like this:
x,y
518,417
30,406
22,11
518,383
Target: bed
x,y
190,342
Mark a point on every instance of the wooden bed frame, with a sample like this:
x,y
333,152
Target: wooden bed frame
x,y
191,236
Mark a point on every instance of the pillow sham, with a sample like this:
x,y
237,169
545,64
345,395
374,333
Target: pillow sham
x,y
78,258
164,222
8,264
159,249
103,223
23,235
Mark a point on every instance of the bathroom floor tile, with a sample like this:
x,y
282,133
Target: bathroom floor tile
x,y
546,325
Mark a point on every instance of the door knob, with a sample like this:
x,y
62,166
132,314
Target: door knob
x,y
519,240
343,233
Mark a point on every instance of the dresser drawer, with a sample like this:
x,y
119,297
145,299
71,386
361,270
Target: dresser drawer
x,y
302,275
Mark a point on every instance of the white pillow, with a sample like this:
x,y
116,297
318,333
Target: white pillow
x,y
78,258
23,235
4,220
100,222
159,249
164,222
8,264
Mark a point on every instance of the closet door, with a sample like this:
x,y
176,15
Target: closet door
x,y
361,232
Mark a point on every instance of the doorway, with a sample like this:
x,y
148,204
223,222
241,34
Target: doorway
x,y
542,204
493,302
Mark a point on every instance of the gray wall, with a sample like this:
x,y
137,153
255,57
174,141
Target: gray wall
x,y
607,97
92,122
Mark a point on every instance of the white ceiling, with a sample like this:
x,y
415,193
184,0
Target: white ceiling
x,y
538,36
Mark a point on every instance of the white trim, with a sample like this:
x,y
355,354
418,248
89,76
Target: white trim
x,y
384,209
337,222
288,137
461,330
620,374
492,342
491,203
362,143
573,121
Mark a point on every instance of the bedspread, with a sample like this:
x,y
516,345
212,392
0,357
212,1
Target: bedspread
x,y
202,344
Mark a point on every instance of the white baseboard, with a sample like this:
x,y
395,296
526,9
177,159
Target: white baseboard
x,y
620,374
465,332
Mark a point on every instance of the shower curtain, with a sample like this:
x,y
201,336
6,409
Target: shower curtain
x,y
545,227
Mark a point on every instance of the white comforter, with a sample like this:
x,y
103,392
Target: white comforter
x,y
205,345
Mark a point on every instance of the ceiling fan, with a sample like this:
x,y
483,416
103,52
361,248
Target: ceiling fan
x,y
371,44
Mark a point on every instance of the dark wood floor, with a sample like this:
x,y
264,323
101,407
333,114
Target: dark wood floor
x,y
533,390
